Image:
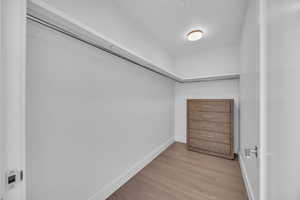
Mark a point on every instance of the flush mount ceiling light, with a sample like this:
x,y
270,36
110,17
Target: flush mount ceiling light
x,y
195,35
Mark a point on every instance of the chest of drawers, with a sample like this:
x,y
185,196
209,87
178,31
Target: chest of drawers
x,y
210,126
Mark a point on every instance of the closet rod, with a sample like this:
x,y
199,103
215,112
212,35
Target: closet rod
x,y
70,34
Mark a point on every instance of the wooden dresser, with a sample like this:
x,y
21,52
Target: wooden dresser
x,y
210,126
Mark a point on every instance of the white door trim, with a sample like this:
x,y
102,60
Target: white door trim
x,y
263,101
1,110
14,63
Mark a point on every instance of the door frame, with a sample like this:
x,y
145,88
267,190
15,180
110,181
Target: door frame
x,y
2,154
263,100
13,65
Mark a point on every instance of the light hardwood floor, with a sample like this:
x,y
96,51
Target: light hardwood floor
x,y
179,174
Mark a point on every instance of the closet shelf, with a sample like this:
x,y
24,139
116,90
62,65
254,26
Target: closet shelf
x,y
212,78
43,13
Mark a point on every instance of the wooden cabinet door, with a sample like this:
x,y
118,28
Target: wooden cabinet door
x,y
210,126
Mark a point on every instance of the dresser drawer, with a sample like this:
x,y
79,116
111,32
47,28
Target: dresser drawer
x,y
209,106
210,136
211,116
210,146
209,126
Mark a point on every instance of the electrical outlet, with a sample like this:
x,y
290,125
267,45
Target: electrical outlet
x,y
13,177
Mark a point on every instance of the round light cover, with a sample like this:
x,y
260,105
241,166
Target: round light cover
x,y
195,35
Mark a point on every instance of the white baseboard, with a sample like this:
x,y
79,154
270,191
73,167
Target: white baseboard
x,y
248,186
111,187
180,140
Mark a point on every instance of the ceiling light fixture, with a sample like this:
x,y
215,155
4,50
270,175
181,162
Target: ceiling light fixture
x,y
195,35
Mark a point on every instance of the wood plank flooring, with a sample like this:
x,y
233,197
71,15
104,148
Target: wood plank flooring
x,y
179,174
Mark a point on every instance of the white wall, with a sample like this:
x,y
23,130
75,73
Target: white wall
x,y
210,62
110,22
90,116
226,89
283,108
249,94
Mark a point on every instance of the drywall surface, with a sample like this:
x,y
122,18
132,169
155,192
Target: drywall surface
x,y
249,94
283,97
106,18
90,116
215,61
226,89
